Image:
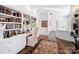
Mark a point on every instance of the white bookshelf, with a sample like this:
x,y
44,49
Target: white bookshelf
x,y
18,40
8,16
14,22
10,29
9,23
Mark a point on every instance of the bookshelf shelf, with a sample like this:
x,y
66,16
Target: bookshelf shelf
x,y
8,16
9,29
13,22
10,22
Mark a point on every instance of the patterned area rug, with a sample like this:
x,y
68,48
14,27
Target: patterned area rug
x,y
51,45
54,47
64,46
46,47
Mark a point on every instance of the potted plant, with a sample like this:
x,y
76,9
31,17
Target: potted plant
x,y
75,38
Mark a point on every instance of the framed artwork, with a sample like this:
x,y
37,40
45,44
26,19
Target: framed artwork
x,y
44,23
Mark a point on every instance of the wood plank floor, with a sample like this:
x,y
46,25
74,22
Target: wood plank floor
x,y
26,50
29,49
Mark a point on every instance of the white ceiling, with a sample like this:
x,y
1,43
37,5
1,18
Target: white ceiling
x,y
51,6
45,9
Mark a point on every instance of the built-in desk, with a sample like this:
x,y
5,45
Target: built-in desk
x,y
13,44
30,40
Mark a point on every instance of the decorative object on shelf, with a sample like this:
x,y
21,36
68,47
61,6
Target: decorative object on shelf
x,y
33,21
26,22
5,10
8,19
17,14
18,26
75,15
9,26
6,34
18,31
27,17
2,19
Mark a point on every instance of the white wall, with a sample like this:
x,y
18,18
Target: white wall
x,y
52,20
61,15
59,20
64,35
43,30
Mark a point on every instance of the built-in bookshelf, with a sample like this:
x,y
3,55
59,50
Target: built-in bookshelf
x,y
33,21
75,21
26,23
29,22
13,22
29,26
10,22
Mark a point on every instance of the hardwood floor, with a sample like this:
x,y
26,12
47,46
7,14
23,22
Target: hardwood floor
x,y
43,37
63,45
29,49
26,50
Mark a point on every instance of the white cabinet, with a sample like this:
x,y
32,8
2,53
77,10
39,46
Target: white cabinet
x,y
32,40
13,45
